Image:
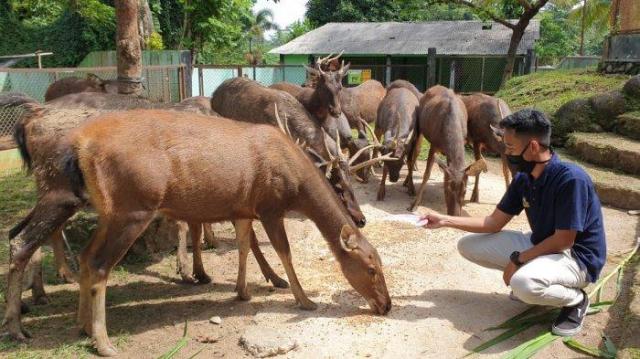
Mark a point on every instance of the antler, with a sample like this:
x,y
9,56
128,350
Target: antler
x,y
359,153
368,163
373,135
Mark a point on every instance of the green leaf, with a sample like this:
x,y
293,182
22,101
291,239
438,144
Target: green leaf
x,y
573,344
608,344
499,339
529,348
181,344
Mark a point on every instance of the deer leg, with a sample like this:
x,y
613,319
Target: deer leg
x,y
198,268
475,197
379,134
278,237
412,166
37,287
64,272
506,172
50,213
181,256
243,237
425,179
209,236
113,242
265,268
381,188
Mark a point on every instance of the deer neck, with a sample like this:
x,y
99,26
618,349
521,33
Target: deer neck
x,y
323,207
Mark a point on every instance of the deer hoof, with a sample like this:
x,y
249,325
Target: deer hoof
x,y
474,198
16,332
67,276
308,305
381,195
41,300
187,278
279,282
24,308
106,350
202,278
244,295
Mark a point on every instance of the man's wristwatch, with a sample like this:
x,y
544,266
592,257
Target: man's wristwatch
x,y
515,259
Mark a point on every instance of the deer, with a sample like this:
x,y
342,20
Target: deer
x,y
484,115
322,101
407,85
42,135
73,84
229,171
396,122
442,120
246,100
360,105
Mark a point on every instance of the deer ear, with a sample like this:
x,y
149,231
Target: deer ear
x,y
475,168
348,238
311,70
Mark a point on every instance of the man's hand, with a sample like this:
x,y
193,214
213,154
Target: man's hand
x,y
435,220
509,270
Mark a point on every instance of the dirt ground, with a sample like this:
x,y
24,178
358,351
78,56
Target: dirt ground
x,y
441,302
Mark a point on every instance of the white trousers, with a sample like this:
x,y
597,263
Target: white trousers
x,y
552,280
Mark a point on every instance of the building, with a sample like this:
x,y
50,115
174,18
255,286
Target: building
x,y
469,55
622,46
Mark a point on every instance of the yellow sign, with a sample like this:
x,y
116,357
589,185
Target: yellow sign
x,y
366,75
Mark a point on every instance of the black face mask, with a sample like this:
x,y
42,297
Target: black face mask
x,y
522,164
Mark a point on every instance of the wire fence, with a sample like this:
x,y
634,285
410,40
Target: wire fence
x,y
160,83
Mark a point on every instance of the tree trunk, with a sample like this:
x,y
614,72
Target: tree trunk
x,y
516,37
584,13
145,23
128,47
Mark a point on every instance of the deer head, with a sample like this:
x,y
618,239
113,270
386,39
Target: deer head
x,y
363,270
455,183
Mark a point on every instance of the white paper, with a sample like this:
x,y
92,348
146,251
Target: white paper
x,y
412,219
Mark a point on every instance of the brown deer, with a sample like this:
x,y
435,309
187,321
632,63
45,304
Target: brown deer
x,y
407,85
246,100
442,119
485,112
396,122
43,134
73,84
229,171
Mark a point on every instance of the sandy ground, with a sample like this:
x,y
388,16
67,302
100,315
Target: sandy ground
x,y
442,303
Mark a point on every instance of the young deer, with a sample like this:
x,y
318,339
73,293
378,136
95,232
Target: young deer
x,y
442,120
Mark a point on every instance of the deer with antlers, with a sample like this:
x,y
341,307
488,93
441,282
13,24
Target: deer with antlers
x,y
228,171
396,122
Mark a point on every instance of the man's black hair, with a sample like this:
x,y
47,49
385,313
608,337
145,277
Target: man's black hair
x,y
529,122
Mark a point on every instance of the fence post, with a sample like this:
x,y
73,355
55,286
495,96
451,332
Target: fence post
x,y
529,61
239,71
482,75
200,80
181,82
282,66
431,67
387,71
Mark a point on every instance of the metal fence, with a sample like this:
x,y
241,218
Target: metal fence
x,y
164,83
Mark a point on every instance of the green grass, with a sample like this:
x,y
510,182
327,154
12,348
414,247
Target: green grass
x,y
17,196
547,91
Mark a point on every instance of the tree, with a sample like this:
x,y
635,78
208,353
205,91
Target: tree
x,y
592,15
320,12
498,11
255,27
557,36
129,53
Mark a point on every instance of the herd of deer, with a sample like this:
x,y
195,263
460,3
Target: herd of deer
x,y
248,153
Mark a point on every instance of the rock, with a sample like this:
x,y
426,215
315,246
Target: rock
x,y
262,343
215,320
576,115
607,107
632,87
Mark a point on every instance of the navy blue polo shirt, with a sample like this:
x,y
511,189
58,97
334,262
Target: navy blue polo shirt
x,y
563,197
